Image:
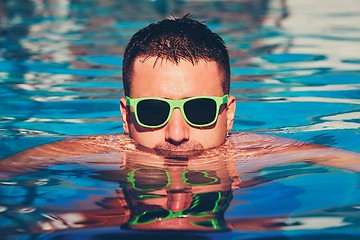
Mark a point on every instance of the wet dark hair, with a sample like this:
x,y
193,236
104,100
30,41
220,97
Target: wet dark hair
x,y
174,40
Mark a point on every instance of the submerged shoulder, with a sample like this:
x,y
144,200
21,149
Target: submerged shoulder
x,y
253,144
248,141
116,142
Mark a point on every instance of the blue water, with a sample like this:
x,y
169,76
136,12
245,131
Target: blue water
x,y
295,74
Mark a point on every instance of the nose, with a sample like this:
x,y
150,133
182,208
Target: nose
x,y
177,130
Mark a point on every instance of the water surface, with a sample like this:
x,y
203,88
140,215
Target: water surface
x,y
295,74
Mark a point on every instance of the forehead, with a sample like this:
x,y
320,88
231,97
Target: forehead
x,y
154,77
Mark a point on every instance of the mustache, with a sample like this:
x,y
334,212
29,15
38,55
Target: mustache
x,y
181,151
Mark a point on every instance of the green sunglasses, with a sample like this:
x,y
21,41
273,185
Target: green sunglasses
x,y
199,111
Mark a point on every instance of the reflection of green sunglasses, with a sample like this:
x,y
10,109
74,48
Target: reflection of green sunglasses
x,y
199,111
203,205
149,179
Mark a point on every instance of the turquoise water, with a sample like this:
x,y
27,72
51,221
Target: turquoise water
x,y
295,74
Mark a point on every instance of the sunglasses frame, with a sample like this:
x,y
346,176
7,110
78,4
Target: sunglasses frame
x,y
133,102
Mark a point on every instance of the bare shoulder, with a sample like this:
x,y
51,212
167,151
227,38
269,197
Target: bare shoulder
x,y
252,143
107,147
257,151
117,142
90,144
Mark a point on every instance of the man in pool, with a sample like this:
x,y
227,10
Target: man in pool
x,y
176,76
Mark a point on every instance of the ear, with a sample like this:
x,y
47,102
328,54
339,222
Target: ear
x,y
124,114
230,112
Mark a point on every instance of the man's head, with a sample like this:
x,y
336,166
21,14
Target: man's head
x,y
175,40
177,59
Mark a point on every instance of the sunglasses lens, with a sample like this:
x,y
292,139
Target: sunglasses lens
x,y
152,112
200,111
200,178
150,179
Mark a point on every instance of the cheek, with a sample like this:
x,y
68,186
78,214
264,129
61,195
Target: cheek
x,y
147,138
211,137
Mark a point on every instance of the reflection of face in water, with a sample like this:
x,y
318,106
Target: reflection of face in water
x,y
156,205
177,196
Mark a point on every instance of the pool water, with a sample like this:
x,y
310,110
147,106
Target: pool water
x,y
295,74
